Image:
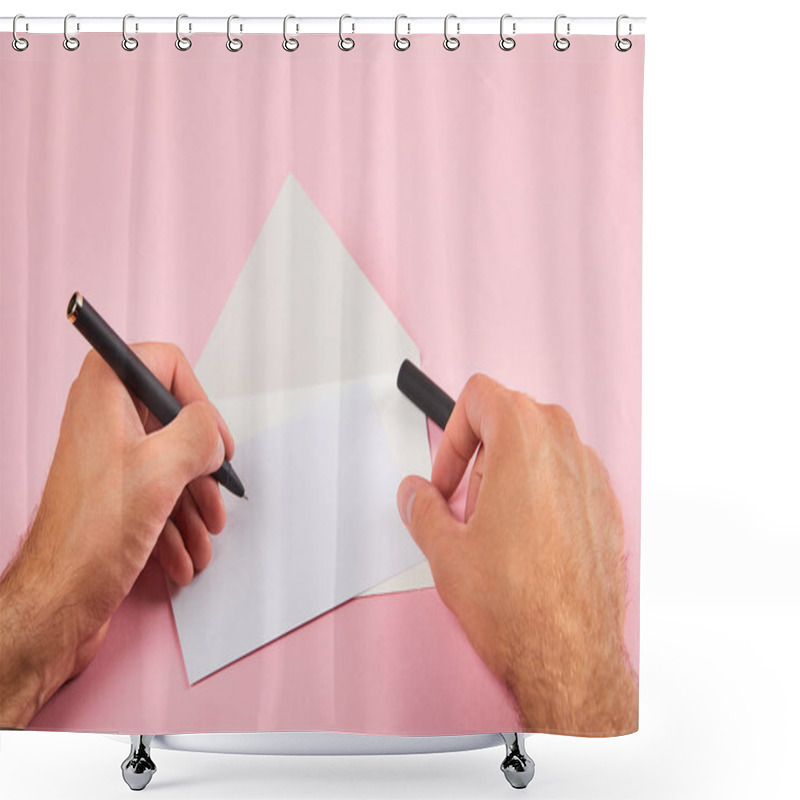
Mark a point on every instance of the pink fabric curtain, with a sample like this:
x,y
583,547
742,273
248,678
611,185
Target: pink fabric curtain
x,y
491,199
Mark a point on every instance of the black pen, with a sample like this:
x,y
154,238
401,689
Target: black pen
x,y
135,375
429,398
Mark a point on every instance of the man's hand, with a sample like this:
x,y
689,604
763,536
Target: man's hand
x,y
120,488
536,574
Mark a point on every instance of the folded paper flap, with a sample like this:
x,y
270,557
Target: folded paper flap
x,y
301,312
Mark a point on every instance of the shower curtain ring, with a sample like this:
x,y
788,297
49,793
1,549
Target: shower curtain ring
x,y
129,43
17,42
345,42
233,44
561,43
182,42
451,42
289,44
70,42
623,45
401,42
507,42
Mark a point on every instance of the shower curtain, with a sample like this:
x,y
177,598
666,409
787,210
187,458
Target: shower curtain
x,y
299,223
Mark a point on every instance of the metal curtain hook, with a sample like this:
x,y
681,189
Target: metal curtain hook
x,y
70,42
451,42
507,42
345,42
401,42
17,42
289,44
182,42
561,43
623,45
233,44
128,42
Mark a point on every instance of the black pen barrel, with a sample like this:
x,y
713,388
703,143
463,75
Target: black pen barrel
x,y
133,372
128,366
429,398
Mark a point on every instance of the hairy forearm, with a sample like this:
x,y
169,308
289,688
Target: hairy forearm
x,y
34,661
605,702
21,679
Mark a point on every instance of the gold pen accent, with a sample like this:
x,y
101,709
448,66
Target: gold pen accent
x,y
74,306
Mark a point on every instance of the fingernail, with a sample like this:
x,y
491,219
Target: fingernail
x,y
405,500
220,450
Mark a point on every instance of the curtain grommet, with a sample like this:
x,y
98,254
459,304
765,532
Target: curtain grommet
x,y
183,43
401,43
290,44
70,43
17,42
507,42
622,44
129,43
346,43
233,44
451,43
561,43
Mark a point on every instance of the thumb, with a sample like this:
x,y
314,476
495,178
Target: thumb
x,y
427,516
185,449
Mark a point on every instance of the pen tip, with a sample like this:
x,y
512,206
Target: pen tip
x,y
245,497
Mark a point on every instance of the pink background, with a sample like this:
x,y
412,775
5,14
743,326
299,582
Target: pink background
x,y
492,198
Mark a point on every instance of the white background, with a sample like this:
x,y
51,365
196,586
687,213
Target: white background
x,y
720,671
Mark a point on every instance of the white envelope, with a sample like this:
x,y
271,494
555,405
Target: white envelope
x,y
302,319
302,363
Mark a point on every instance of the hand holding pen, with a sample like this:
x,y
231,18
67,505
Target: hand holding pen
x,y
130,369
120,488
535,571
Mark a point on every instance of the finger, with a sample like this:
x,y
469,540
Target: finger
x,y
193,530
429,519
474,482
168,363
173,456
472,421
208,499
98,378
173,556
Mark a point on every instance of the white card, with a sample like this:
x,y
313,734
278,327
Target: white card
x,y
320,526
